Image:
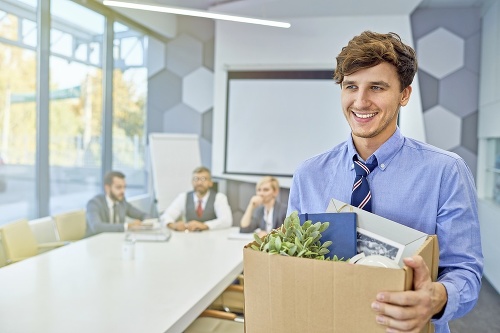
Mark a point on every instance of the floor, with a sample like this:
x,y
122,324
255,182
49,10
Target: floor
x,y
485,317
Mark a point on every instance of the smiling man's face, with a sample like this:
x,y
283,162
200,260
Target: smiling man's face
x,y
371,99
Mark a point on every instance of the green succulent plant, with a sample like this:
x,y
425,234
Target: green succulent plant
x,y
294,239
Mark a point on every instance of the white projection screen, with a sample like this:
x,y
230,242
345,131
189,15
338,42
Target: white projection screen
x,y
277,119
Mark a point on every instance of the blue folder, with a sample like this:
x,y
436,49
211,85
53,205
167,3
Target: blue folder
x,y
342,232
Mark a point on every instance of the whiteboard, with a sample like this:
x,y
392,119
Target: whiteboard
x,y
173,159
275,124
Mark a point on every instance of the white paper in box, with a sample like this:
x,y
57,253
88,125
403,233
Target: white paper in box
x,y
409,238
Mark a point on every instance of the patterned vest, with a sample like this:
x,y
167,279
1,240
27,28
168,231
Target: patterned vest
x,y
208,212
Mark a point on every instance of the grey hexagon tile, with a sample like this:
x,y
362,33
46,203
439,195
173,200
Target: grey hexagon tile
x,y
469,132
440,53
156,56
165,90
154,119
435,120
429,90
472,55
184,54
469,158
206,125
182,119
206,152
459,92
426,20
245,192
200,28
209,54
198,89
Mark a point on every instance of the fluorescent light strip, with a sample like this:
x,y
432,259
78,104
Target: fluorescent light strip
x,y
198,13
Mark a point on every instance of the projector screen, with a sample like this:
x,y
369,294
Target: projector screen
x,y
277,119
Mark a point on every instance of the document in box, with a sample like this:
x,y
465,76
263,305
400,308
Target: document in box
x,y
410,239
341,231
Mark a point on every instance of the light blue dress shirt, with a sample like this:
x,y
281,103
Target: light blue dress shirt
x,y
415,184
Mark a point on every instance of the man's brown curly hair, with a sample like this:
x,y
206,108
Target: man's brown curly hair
x,y
370,49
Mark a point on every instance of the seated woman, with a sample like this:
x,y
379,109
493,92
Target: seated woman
x,y
264,212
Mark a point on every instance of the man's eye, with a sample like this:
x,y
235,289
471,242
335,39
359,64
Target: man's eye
x,y
376,88
350,87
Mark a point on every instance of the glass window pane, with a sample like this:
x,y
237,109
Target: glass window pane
x,y
129,107
8,25
29,32
75,106
17,133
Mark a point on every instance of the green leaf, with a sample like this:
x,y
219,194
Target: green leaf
x,y
257,239
253,246
326,244
324,226
277,244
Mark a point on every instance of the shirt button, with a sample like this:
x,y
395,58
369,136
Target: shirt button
x,y
382,165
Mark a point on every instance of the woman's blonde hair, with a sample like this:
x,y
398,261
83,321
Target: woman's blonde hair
x,y
275,185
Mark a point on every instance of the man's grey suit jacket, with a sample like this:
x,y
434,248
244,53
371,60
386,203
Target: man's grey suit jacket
x,y
98,215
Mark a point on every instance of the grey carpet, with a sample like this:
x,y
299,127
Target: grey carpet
x,y
485,317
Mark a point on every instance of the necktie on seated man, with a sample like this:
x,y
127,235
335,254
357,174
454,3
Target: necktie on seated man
x,y
199,209
361,195
115,213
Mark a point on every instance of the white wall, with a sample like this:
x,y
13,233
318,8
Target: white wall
x,y
311,43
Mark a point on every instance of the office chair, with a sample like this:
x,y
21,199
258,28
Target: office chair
x,y
231,300
224,315
214,321
71,226
20,243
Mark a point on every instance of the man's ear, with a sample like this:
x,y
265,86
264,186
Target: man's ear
x,y
405,96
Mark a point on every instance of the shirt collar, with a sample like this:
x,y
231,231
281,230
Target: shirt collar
x,y
204,199
384,154
109,202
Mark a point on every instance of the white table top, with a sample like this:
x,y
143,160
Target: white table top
x,y
88,287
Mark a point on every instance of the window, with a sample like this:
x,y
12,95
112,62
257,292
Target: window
x,y
75,105
129,106
17,114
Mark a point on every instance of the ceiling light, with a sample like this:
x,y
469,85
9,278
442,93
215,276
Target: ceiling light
x,y
198,13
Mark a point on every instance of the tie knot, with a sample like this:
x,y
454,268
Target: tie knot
x,y
363,169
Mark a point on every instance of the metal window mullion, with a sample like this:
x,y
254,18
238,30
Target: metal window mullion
x,y
42,171
107,107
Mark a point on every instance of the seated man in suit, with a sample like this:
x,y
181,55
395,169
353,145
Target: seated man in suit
x,y
107,212
200,209
264,211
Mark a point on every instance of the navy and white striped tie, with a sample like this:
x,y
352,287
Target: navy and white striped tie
x,y
361,195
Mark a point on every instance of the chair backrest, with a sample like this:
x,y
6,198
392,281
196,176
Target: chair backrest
x,y
44,229
71,226
18,240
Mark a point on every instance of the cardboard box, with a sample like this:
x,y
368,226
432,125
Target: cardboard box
x,y
290,294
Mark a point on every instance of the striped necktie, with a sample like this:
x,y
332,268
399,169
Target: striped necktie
x,y
361,195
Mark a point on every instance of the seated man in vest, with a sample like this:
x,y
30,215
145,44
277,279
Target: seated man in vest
x,y
200,209
106,212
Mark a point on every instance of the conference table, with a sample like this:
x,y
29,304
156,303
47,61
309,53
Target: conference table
x,y
90,286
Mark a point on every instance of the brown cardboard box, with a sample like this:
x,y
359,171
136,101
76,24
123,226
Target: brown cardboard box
x,y
290,294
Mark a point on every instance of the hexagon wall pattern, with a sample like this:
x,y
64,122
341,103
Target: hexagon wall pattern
x,y
198,89
440,53
447,43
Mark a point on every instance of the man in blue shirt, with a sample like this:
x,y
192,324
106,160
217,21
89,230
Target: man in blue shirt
x,y
414,183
